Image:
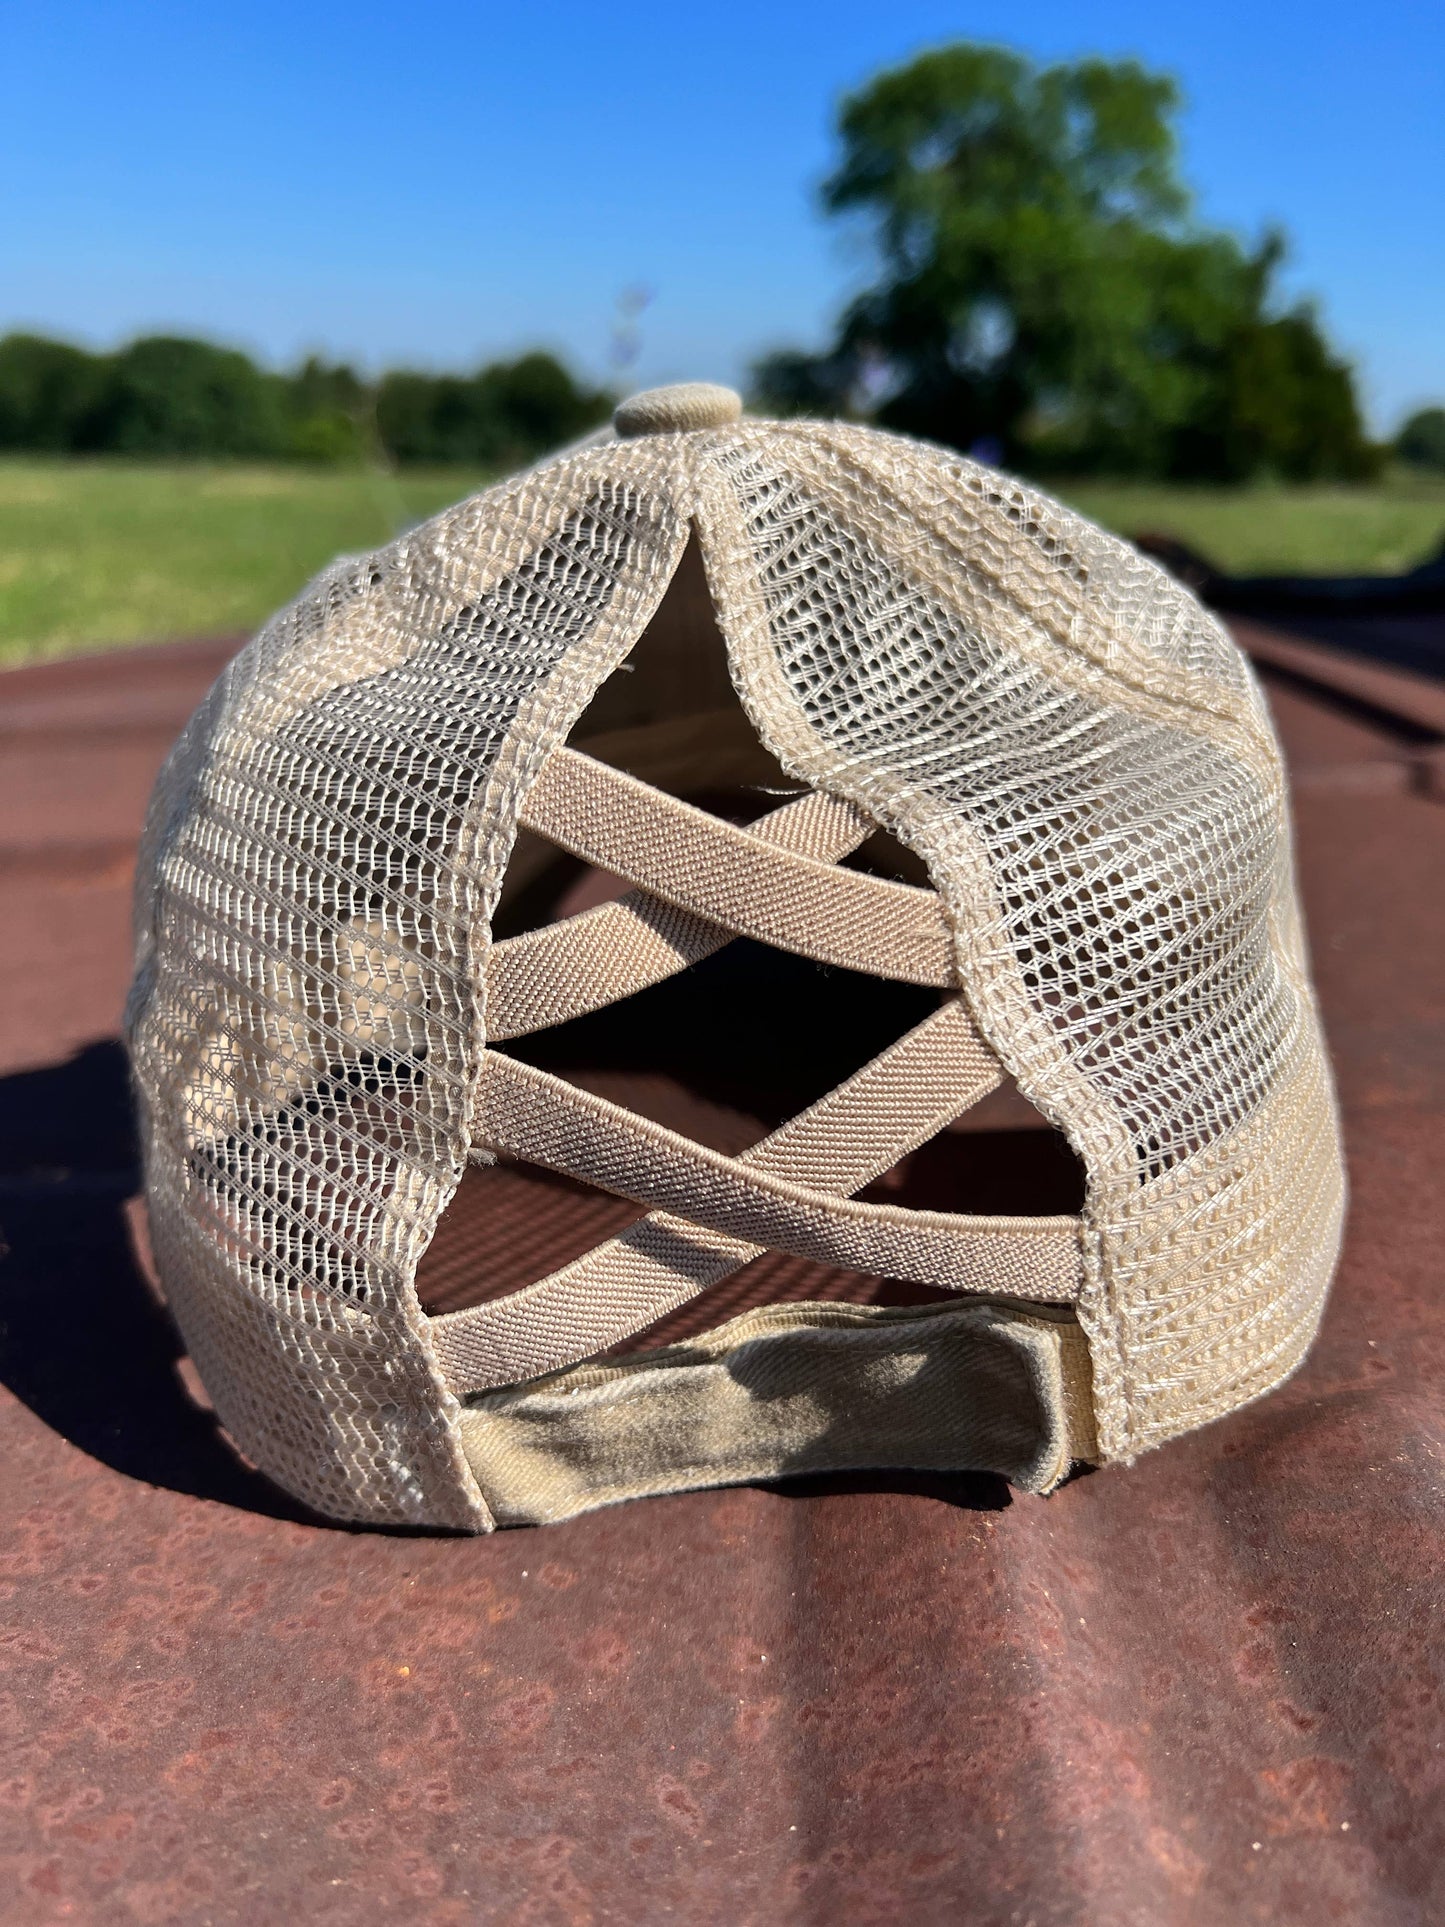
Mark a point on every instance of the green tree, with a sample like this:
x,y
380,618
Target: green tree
x,y
1043,285
507,413
331,414
791,382
47,390
1278,403
535,404
170,396
1421,441
426,418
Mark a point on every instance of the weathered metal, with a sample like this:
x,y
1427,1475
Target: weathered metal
x,y
1203,1690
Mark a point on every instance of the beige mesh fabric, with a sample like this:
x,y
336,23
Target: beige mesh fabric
x,y
1074,749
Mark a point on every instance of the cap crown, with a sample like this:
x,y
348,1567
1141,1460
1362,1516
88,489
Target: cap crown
x,y
1075,749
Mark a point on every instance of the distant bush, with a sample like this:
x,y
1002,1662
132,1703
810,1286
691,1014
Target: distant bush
x,y
330,415
48,391
1421,442
168,396
502,415
792,382
165,396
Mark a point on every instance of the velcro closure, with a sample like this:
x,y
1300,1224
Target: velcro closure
x,y
789,1389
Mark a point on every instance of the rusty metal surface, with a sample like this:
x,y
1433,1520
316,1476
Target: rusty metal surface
x,y
1203,1690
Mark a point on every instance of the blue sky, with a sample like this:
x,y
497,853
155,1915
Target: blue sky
x,y
438,183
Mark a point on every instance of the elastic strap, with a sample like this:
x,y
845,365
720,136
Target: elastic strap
x,y
698,882
749,885
786,1192
566,969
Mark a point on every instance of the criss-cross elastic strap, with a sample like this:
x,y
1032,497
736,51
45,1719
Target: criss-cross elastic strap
x,y
702,881
565,969
781,888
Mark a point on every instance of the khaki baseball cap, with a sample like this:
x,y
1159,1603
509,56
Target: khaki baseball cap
x,y
993,813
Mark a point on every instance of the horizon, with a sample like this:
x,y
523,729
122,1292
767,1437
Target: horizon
x,y
344,192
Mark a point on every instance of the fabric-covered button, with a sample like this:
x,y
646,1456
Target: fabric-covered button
x,y
674,410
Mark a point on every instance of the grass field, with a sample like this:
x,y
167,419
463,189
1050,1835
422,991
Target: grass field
x,y
98,553
1282,531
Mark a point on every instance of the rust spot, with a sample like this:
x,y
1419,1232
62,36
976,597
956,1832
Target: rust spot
x,y
679,1805
1308,1795
527,1712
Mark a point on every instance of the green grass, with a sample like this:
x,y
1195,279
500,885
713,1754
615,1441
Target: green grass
x,y
104,552
1271,530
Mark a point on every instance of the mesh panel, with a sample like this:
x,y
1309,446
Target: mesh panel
x,y
1154,966
1115,848
305,1021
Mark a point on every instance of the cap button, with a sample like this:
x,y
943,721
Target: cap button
x,y
674,411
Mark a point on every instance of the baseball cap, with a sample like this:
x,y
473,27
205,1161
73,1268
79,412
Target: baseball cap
x,y
503,897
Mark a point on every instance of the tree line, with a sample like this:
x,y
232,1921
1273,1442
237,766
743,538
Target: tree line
x,y
171,396
1042,293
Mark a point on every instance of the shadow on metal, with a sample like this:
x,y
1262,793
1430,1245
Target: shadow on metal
x,y
964,1491
84,1342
